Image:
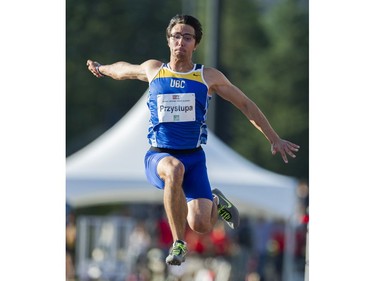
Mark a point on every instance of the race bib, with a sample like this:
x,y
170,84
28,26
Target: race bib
x,y
176,107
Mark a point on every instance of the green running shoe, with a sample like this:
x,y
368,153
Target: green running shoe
x,y
226,210
177,253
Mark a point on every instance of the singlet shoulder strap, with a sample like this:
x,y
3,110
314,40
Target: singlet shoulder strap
x,y
198,66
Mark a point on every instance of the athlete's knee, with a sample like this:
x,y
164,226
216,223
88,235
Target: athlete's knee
x,y
171,169
200,224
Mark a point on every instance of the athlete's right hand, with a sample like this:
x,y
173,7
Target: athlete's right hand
x,y
93,66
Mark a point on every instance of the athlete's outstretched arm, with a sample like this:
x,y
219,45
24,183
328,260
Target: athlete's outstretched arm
x,y
219,84
123,70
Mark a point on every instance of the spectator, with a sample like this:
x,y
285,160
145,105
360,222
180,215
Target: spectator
x,y
139,243
164,234
278,242
70,243
262,234
242,259
220,240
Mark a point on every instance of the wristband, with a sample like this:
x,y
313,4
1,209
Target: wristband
x,y
97,69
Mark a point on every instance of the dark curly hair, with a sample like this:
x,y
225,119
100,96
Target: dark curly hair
x,y
189,20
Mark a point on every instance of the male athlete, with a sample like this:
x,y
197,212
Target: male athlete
x,y
179,94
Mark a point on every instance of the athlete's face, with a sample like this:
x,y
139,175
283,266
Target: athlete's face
x,y
181,41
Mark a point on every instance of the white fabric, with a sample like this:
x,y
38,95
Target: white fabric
x,y
111,169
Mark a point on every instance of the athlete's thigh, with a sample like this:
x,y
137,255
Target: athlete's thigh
x,y
196,183
151,161
170,166
200,209
159,165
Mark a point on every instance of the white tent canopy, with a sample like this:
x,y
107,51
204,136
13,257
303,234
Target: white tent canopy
x,y
111,169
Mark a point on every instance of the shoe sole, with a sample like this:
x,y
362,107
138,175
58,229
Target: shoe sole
x,y
234,222
174,260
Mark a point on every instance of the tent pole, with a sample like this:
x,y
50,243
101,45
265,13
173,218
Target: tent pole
x,y
288,261
307,255
212,51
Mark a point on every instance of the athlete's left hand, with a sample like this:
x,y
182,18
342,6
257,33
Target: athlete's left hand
x,y
284,147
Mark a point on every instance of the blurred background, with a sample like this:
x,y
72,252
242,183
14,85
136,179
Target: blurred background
x,y
263,48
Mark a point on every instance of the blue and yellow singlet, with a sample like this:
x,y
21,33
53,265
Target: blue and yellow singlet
x,y
178,103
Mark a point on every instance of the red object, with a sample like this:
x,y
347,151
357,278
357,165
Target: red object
x,y
165,234
305,219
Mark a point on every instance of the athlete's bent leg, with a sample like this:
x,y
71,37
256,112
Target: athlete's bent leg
x,y
202,215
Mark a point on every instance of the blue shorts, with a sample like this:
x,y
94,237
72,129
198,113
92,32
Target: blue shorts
x,y
195,183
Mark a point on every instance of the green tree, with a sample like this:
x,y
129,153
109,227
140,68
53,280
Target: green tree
x,y
108,31
263,50
267,57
